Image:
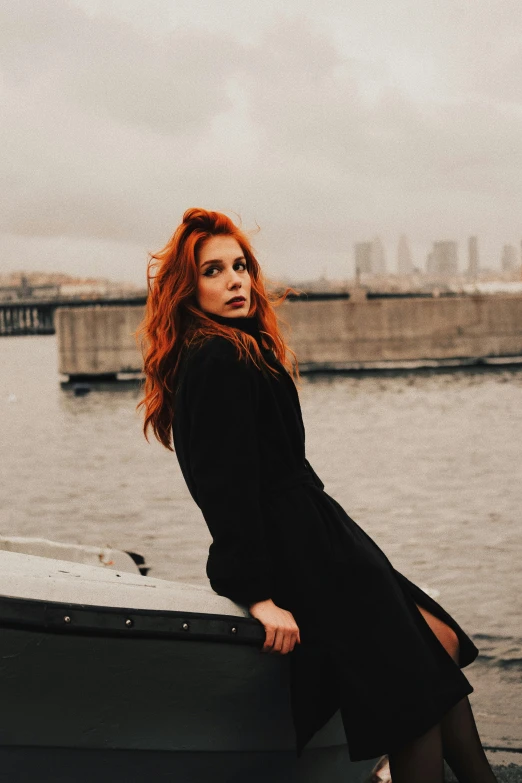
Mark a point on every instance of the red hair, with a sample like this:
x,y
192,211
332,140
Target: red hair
x,y
173,319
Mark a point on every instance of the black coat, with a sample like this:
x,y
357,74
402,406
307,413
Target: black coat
x,y
365,647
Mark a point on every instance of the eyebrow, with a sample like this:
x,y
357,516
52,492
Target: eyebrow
x,y
220,261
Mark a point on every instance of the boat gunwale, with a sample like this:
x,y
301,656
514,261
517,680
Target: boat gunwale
x,y
116,621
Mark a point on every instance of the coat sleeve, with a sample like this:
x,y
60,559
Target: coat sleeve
x,y
225,466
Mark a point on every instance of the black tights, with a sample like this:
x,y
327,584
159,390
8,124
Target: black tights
x,y
454,739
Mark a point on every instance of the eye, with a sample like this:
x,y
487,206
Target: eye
x,y
209,269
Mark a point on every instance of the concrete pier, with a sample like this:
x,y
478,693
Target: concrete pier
x,y
98,341
337,334
333,334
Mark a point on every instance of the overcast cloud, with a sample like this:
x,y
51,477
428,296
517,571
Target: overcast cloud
x,y
324,127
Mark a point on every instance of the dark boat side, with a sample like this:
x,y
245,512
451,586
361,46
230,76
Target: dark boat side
x,y
111,676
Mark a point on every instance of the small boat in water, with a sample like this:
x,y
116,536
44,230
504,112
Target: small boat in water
x,y
110,675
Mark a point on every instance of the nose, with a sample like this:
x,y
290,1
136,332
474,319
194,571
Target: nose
x,y
234,279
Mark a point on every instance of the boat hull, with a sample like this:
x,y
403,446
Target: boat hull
x,y
123,692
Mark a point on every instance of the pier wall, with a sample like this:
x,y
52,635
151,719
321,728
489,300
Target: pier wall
x,y
397,330
324,333
98,340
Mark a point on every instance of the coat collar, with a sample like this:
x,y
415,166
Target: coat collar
x,y
248,324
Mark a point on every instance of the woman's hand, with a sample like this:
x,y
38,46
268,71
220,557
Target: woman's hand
x,y
282,632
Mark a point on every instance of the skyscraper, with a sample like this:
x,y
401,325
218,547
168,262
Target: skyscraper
x,y
444,259
473,257
404,260
370,257
363,258
378,257
509,258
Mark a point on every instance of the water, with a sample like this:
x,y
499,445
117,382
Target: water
x,y
429,465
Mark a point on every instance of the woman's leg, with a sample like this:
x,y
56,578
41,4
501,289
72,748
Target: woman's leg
x,y
419,760
462,746
423,759
446,635
461,743
454,739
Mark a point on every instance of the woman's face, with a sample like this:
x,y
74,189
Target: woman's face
x,y
222,276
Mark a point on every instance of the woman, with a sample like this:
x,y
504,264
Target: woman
x,y
219,382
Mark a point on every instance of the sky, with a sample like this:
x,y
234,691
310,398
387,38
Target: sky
x,y
322,124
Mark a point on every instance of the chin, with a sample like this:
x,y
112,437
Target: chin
x,y
232,311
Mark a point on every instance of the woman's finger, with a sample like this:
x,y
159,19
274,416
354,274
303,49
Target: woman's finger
x,y
288,642
270,632
278,641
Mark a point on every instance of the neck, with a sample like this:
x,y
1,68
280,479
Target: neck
x,y
246,323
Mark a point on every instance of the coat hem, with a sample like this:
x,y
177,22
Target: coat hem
x,y
411,731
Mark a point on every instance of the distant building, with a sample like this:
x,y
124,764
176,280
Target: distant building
x,y
43,286
370,258
473,257
509,258
378,257
443,259
24,290
85,289
363,258
404,260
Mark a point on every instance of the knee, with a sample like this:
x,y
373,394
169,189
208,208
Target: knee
x,y
451,643
446,635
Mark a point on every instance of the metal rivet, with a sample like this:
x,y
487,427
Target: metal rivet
x,y
67,619
185,626
129,623
234,629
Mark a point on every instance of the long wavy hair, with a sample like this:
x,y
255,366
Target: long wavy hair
x,y
174,321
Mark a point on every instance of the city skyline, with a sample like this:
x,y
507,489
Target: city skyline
x,y
443,258
443,262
